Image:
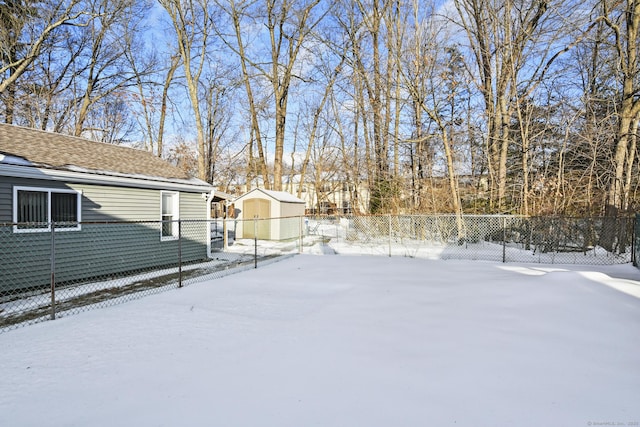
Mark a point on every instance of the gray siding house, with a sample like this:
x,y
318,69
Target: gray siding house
x,y
111,208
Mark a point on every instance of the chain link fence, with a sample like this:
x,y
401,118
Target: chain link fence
x,y
548,240
53,270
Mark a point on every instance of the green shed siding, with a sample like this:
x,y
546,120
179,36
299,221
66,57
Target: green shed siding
x,y
5,200
24,259
193,206
98,249
102,203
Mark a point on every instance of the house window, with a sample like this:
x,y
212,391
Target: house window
x,y
325,208
169,215
34,209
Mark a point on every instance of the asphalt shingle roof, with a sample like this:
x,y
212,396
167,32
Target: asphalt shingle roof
x,y
57,151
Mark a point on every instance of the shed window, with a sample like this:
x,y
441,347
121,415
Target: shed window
x,y
64,207
169,215
36,208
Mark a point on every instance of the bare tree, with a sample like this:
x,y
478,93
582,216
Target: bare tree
x,y
50,87
106,73
369,27
183,156
417,70
288,23
236,11
623,18
27,34
192,24
148,106
316,118
499,34
26,28
163,103
218,87
425,73
373,78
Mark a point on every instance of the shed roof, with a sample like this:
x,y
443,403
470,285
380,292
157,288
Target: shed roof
x,y
56,151
280,196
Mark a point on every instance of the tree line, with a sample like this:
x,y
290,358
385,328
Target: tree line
x,y
461,106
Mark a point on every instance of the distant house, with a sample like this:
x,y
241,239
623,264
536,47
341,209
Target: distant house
x,y
267,204
331,196
78,185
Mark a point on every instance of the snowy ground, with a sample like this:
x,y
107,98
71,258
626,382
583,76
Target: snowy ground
x,y
343,341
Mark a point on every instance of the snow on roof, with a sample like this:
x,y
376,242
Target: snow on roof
x,y
14,160
281,196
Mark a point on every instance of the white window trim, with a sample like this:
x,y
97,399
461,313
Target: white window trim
x,y
47,190
176,214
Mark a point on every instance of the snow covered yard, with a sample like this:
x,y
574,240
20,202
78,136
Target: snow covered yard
x,y
343,341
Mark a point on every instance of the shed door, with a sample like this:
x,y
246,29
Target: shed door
x,y
260,208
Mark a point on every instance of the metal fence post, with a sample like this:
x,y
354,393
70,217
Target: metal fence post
x,y
635,238
301,241
225,231
255,241
53,271
504,239
179,253
389,218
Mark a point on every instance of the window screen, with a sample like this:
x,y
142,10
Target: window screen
x,y
32,207
64,208
169,215
36,208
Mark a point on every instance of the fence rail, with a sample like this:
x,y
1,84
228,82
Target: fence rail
x,y
55,269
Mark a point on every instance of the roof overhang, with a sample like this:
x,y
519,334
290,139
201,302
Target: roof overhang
x,y
155,183
221,195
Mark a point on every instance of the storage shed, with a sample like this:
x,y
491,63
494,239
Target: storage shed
x,y
278,212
